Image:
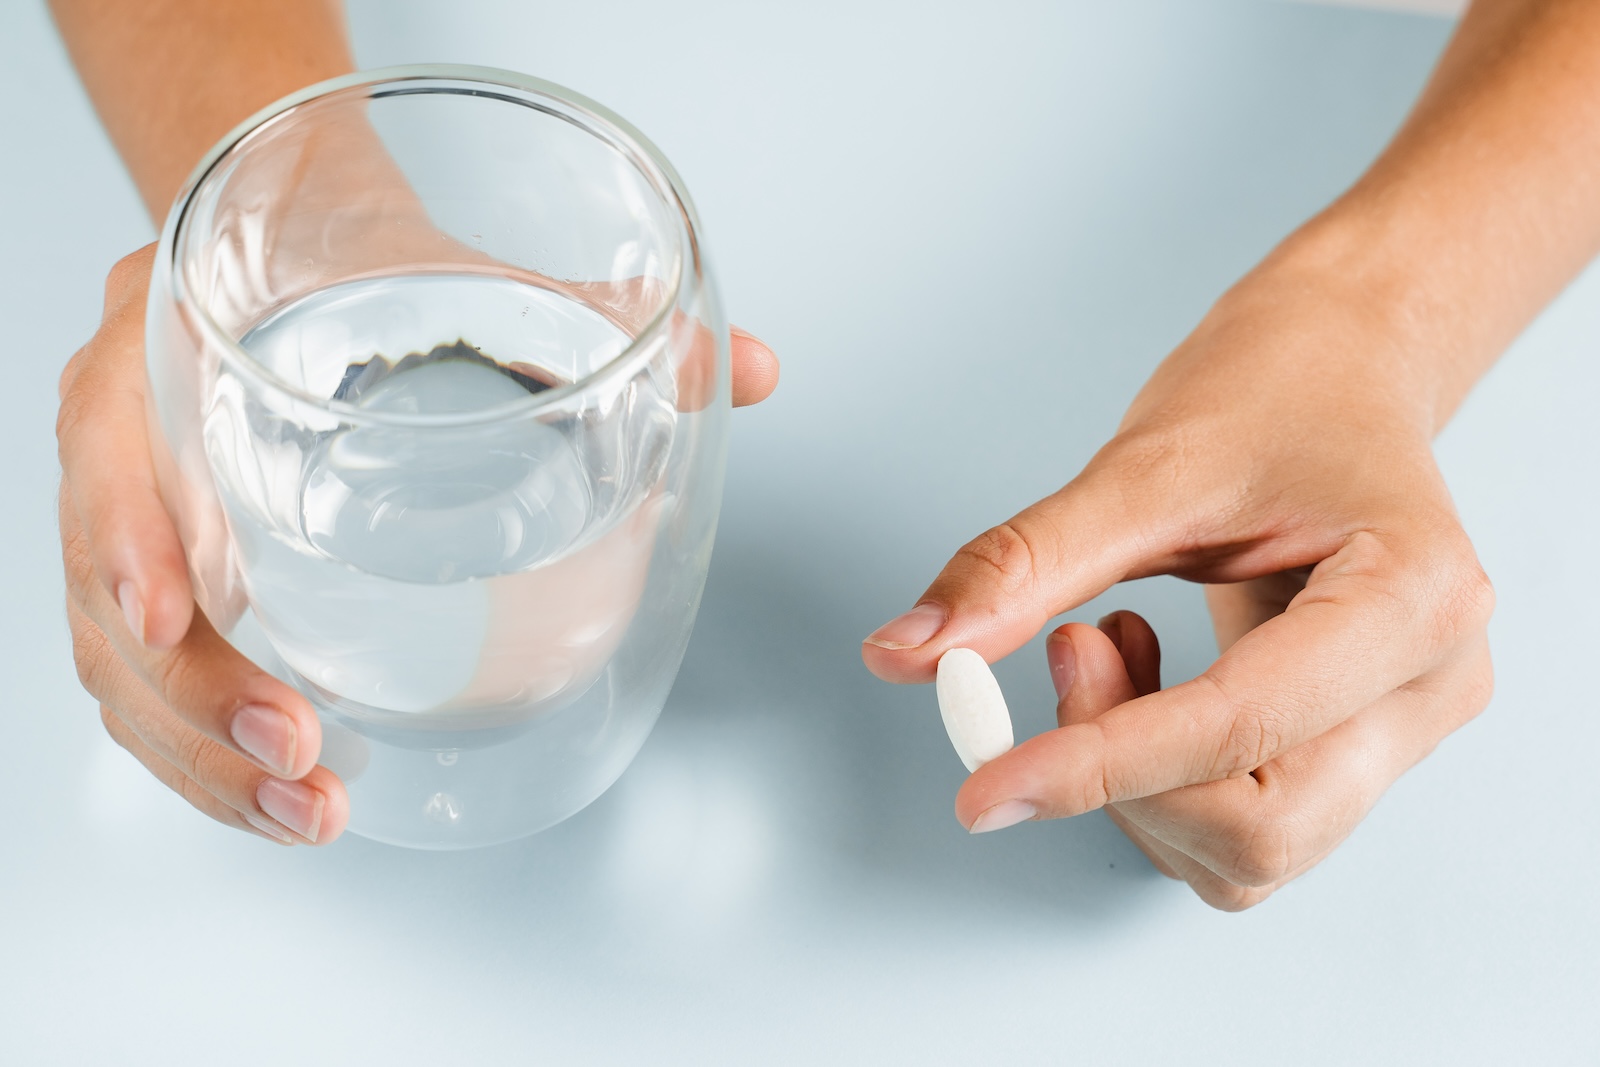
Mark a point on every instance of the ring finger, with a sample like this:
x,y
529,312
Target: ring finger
x,y
211,777
186,787
1256,829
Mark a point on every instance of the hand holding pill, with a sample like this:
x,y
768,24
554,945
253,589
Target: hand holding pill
x,y
1349,606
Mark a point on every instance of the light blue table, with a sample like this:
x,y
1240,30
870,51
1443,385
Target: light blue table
x,y
970,236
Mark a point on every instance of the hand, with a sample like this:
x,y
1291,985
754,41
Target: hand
x,y
1282,455
232,740
1213,836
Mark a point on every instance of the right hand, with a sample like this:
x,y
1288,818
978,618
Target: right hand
x,y
1281,455
225,735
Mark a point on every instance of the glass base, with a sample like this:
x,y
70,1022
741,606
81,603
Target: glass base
x,y
448,789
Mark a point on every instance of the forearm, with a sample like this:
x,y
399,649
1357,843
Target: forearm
x,y
1480,211
170,77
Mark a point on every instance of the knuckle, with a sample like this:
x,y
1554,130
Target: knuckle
x,y
1262,858
114,726
1144,453
93,658
128,272
1098,790
210,763
1008,552
1459,596
75,409
190,753
69,372
1479,689
200,798
179,678
1244,745
1469,596
1225,896
1148,464
1084,780
1469,696
77,565
1254,733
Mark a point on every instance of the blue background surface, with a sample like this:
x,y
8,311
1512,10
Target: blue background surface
x,y
971,235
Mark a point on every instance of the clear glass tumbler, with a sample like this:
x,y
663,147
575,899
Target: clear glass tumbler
x,y
440,406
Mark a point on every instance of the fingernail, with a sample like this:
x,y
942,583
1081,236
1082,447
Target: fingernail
x,y
267,734
1063,663
1111,626
1007,813
737,332
268,827
132,609
294,804
913,628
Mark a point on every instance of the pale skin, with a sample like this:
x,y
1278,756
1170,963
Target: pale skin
x,y
169,78
1282,455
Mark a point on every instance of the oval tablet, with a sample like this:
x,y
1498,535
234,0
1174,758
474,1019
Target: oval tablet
x,y
973,708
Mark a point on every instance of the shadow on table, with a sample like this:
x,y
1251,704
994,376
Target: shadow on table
x,y
785,790
868,762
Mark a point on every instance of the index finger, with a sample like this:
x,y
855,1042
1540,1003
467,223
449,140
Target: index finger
x,y
1367,622
1002,586
104,447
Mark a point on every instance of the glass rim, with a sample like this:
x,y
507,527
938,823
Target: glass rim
x,y
598,120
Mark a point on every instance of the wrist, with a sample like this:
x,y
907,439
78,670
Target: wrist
x,y
1389,312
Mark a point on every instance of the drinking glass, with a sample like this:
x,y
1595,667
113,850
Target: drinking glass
x,y
440,399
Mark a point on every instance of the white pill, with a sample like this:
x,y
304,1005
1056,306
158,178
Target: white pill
x,y
973,708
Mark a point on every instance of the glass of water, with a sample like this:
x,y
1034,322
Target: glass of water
x,y
440,406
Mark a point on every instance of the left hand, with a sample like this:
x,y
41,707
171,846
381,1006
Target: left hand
x,y
229,738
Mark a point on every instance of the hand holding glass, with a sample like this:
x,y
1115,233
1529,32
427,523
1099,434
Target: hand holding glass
x,y
440,393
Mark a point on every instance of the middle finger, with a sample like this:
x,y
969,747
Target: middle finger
x,y
203,679
205,773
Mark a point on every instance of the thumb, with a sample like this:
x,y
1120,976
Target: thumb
x,y
755,368
1004,585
